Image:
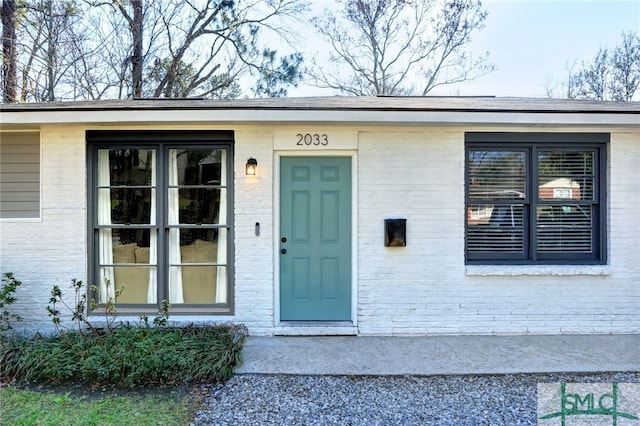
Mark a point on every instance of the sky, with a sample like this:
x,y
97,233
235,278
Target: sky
x,y
534,42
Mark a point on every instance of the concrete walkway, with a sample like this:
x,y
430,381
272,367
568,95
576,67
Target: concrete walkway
x,y
440,355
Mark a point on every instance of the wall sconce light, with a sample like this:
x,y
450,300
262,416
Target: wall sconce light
x,y
251,169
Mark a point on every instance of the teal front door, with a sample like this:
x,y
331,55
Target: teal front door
x,y
315,238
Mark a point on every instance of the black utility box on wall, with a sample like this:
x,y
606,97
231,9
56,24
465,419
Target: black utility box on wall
x,y
395,232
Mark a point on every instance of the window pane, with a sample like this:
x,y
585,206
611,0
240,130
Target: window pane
x,y
198,205
497,175
126,186
197,273
566,175
136,283
199,251
198,245
133,284
128,205
200,283
198,166
130,167
495,228
564,228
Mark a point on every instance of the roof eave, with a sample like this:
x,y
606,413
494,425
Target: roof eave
x,y
337,116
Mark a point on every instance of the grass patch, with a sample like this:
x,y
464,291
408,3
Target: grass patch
x,y
126,356
116,375
162,407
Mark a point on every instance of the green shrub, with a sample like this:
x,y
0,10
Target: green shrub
x,y
126,356
9,286
120,354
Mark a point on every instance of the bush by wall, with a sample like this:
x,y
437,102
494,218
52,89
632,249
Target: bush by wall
x,y
120,354
126,356
7,289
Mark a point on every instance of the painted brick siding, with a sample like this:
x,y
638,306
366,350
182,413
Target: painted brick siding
x,y
424,288
624,206
51,250
254,291
417,176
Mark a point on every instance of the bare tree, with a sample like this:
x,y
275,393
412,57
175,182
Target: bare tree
x,y
134,18
400,47
125,33
9,52
101,65
81,49
613,74
46,44
591,82
626,68
186,48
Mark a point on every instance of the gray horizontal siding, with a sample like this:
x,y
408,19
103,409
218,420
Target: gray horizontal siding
x,y
19,175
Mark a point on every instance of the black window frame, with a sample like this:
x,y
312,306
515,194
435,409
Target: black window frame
x,y
162,142
531,144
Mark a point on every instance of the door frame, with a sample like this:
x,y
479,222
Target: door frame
x,y
354,239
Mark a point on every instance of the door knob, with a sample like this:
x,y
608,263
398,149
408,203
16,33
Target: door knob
x,y
283,251
283,239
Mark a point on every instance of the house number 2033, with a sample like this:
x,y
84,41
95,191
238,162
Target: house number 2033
x,y
309,139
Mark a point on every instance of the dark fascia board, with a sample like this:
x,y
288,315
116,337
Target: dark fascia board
x,y
109,136
540,137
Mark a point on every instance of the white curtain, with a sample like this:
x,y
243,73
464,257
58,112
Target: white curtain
x,y
152,291
221,276
105,242
175,272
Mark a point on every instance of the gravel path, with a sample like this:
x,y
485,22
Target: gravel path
x,y
409,400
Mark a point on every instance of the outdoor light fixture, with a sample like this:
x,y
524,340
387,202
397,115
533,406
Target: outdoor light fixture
x,y
251,167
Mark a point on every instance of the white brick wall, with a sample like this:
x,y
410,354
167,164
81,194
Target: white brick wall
x,y
52,250
423,288
417,176
254,292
